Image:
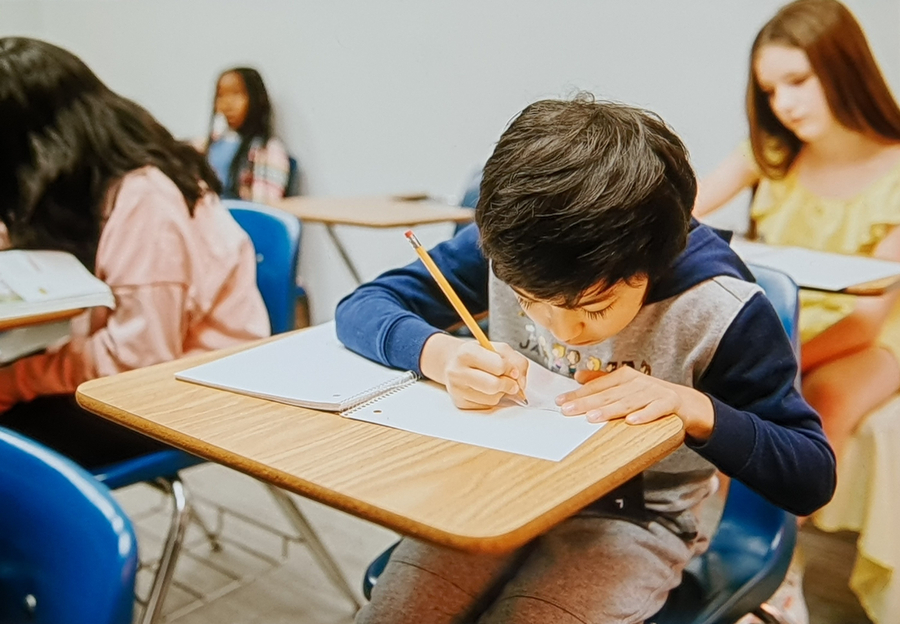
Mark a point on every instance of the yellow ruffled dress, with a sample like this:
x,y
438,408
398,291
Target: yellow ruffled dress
x,y
867,499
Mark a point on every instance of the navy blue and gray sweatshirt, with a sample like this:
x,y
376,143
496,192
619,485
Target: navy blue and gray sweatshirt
x,y
704,325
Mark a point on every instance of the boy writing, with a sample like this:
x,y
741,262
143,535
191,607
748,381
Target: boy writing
x,y
584,241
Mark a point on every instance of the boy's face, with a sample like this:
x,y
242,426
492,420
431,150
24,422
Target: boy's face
x,y
600,313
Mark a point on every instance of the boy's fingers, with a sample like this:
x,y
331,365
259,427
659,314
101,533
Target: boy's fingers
x,y
584,376
594,386
645,415
473,355
486,383
516,363
471,399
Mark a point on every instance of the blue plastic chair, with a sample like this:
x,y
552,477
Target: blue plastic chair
x,y
470,196
276,238
750,553
68,553
293,186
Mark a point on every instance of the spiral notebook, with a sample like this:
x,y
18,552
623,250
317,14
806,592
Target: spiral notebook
x,y
313,369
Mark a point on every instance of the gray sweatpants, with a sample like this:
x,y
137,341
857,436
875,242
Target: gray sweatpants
x,y
588,570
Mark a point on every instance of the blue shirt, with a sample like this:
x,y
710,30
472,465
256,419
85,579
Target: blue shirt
x,y
220,154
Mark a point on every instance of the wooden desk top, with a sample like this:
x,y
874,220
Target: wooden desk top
x,y
874,288
454,494
375,212
25,321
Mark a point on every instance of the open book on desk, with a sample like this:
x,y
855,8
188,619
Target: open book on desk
x,y
822,270
313,369
37,283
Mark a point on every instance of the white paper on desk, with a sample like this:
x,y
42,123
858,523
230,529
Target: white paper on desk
x,y
539,430
817,269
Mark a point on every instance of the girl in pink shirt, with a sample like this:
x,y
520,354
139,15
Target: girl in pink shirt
x,y
87,171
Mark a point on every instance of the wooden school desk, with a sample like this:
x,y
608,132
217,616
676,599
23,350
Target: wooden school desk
x,y
446,492
370,212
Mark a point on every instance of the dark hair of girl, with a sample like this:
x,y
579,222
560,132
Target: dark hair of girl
x,y
65,138
257,124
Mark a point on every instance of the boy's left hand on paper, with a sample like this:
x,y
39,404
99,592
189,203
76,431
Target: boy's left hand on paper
x,y
638,398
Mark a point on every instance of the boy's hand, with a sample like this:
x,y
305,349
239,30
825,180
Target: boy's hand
x,y
639,398
475,377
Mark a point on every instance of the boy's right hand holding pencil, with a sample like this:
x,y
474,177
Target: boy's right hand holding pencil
x,y
475,377
476,374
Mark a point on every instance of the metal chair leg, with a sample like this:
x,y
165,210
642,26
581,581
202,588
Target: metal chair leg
x,y
181,513
211,535
770,615
318,550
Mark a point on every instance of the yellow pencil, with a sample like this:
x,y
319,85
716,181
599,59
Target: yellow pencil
x,y
455,301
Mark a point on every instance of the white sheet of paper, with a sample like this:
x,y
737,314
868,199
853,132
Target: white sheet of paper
x,y
816,269
539,430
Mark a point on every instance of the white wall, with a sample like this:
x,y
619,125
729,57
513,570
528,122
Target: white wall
x,y
403,95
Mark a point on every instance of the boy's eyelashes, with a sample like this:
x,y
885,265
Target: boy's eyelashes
x,y
591,314
598,314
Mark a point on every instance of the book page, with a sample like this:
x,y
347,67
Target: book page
x,y
39,282
538,430
309,369
22,341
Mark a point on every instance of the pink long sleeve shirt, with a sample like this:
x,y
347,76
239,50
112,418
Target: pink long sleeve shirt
x,y
182,285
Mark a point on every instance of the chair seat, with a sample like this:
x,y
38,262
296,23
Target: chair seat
x,y
145,468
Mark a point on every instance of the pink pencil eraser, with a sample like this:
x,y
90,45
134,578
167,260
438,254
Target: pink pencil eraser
x,y
409,234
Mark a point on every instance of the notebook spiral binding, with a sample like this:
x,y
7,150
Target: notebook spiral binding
x,y
373,395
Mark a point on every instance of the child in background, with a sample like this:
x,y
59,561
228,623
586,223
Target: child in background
x,y
251,163
584,239
87,171
824,157
825,154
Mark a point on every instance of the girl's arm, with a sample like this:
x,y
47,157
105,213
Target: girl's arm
x,y
145,328
861,327
732,176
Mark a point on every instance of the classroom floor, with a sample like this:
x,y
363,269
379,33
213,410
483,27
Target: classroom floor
x,y
261,575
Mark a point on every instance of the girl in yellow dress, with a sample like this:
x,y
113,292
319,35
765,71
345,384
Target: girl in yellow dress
x,y
824,156
824,159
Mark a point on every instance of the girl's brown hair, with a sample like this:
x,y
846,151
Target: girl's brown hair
x,y
839,55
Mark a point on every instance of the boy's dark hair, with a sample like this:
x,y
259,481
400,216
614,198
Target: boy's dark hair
x,y
257,124
583,192
64,138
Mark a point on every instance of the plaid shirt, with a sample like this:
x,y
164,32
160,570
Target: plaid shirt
x,y
264,177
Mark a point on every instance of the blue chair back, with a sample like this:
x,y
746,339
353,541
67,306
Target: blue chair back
x,y
292,188
68,553
473,191
276,238
782,291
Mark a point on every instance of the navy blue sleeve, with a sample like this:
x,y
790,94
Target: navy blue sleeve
x,y
765,434
390,318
